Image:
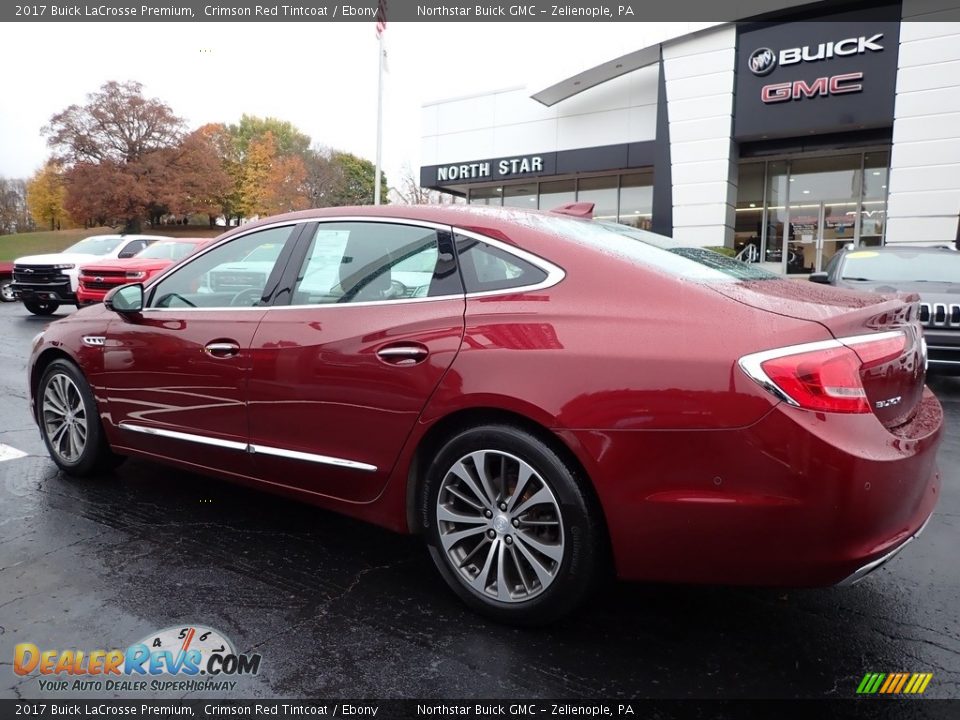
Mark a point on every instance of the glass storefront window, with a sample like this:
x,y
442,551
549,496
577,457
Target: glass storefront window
x,y
811,207
520,196
873,209
636,200
486,196
748,232
557,193
777,192
602,192
824,196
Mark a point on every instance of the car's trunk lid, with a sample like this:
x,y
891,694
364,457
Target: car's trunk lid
x,y
893,383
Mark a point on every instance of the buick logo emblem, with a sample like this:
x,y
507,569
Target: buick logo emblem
x,y
98,279
762,61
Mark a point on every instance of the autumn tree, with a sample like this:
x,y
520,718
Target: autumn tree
x,y
271,182
126,135
288,140
46,195
336,178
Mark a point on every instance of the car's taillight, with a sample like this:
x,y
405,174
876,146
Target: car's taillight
x,y
824,376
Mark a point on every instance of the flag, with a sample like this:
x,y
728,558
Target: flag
x,y
381,16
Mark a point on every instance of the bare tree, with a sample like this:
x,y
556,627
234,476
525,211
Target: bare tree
x,y
411,193
14,215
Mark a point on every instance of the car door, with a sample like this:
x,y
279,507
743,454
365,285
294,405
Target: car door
x,y
176,375
343,368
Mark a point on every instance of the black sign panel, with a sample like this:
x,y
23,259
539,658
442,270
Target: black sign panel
x,y
809,77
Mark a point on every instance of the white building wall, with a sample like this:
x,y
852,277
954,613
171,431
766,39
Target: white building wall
x,y
509,122
924,187
699,73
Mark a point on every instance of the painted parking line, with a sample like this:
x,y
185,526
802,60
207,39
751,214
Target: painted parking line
x,y
10,453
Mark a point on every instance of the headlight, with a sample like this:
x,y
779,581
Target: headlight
x,y
64,266
136,275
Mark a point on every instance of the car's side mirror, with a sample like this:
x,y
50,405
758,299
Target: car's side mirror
x,y
820,277
126,299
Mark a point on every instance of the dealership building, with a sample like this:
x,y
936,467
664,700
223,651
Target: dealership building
x,y
784,138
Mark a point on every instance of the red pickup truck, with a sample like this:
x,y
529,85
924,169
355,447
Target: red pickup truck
x,y
6,280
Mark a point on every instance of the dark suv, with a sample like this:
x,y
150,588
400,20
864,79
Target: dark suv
x,y
931,272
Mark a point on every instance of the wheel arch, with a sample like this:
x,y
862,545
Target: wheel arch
x,y
40,366
449,425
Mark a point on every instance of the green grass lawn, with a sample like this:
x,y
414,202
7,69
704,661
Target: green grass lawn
x,y
38,243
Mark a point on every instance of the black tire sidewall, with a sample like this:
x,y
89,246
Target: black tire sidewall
x,y
95,449
41,308
581,528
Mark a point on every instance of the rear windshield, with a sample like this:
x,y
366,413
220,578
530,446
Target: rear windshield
x,y
95,245
652,250
902,266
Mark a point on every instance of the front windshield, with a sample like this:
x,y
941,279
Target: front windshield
x,y
167,250
902,266
652,250
96,245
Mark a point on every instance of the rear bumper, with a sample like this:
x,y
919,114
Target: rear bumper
x,y
797,499
864,570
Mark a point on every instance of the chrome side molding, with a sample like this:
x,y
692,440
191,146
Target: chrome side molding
x,y
248,448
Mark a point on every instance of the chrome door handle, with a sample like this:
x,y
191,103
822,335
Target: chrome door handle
x,y
403,354
222,349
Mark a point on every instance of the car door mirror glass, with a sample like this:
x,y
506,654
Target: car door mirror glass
x,y
820,277
125,299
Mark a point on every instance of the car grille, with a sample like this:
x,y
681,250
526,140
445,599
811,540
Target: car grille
x,y
936,315
38,274
106,280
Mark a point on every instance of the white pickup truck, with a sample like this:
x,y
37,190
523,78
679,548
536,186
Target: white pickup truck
x,y
45,282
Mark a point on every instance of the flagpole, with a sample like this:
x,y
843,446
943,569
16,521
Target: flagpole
x,y
376,186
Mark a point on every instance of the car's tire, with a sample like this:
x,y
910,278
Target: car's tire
x,y
6,291
41,307
551,551
70,422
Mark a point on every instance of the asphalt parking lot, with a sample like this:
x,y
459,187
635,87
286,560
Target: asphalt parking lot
x,y
339,608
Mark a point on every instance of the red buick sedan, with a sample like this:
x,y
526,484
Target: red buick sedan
x,y
534,393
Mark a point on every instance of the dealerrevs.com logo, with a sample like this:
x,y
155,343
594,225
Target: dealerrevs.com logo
x,y
180,658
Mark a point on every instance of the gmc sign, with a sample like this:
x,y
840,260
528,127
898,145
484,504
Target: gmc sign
x,y
821,87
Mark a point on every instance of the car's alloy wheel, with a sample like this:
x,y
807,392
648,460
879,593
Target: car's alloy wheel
x,y
64,418
500,525
6,291
70,423
511,525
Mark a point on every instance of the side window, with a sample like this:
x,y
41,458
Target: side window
x,y
232,275
354,262
132,248
486,267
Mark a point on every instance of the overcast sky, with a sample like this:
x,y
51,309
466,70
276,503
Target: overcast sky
x,y
321,77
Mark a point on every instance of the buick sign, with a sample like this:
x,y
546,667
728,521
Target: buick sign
x,y
762,61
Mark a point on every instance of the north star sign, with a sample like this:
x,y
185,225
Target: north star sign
x,y
486,168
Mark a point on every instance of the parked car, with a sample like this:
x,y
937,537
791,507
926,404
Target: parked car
x,y
931,272
97,278
45,282
566,392
6,282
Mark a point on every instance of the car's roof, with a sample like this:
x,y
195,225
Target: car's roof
x,y
458,215
904,250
